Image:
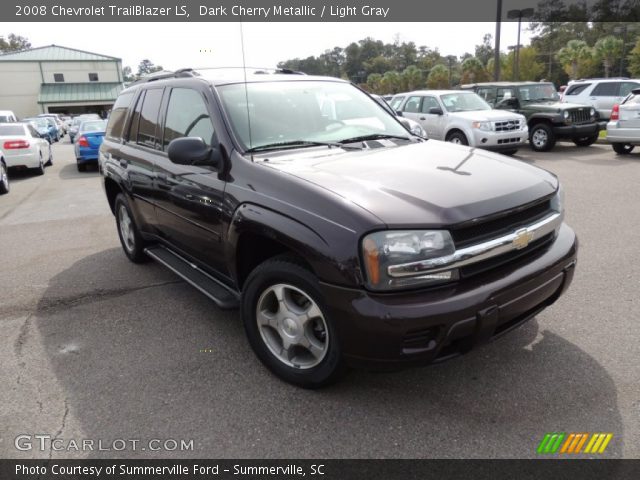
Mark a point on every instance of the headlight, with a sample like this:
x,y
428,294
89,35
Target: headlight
x,y
592,112
418,131
484,126
557,202
381,250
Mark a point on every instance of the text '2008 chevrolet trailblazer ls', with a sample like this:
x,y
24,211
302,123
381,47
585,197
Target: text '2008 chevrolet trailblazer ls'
x,y
343,239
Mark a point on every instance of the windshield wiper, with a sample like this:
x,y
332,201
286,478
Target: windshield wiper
x,y
373,136
298,144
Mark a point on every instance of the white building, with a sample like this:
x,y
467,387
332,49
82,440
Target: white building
x,y
56,79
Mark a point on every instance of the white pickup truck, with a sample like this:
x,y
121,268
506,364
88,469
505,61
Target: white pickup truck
x,y
464,118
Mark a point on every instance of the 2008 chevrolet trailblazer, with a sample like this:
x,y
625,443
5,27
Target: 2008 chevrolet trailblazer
x,y
343,239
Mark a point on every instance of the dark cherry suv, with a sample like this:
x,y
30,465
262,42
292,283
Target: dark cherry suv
x,y
344,239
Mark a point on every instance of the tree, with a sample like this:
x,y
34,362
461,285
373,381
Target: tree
x,y
634,60
484,52
473,71
573,55
412,78
529,69
608,50
390,83
127,74
15,43
374,81
438,77
146,66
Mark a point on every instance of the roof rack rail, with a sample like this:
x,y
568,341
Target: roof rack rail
x,y
180,73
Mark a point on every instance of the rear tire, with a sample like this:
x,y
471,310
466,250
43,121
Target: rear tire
x,y
288,324
586,141
541,137
50,159
622,148
4,179
81,167
130,238
39,170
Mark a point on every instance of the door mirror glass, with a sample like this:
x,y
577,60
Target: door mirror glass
x,y
193,151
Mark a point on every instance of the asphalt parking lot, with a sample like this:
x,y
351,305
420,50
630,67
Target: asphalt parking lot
x,y
95,347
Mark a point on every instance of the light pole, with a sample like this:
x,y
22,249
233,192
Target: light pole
x,y
519,14
496,51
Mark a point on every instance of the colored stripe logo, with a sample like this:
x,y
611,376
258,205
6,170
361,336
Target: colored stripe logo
x,y
572,443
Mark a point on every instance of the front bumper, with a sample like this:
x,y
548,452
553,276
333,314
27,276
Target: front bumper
x,y
421,327
500,141
576,131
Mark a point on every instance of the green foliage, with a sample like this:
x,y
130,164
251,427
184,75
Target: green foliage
x,y
573,54
14,43
529,67
438,77
473,71
607,50
146,66
634,60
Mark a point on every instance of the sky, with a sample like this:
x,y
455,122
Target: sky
x,y
217,44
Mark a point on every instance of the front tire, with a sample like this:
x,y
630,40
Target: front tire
x,y
622,148
541,137
288,324
130,238
458,138
586,141
4,179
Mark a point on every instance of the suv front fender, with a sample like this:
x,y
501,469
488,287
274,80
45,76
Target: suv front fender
x,y
329,259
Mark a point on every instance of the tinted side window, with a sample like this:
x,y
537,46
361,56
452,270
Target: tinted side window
x,y
135,119
504,93
33,131
187,116
576,89
606,89
118,116
487,94
412,105
149,118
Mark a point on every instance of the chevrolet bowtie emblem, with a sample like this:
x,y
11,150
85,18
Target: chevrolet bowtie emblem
x,y
522,238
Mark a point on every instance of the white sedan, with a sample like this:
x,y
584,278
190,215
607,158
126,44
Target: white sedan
x,y
24,147
465,118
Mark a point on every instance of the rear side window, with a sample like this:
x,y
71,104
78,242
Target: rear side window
x,y
395,102
606,89
576,89
145,118
118,117
187,116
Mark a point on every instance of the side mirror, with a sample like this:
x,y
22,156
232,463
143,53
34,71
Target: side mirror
x,y
435,111
193,151
399,113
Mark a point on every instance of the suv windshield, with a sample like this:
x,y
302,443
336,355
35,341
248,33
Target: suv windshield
x,y
294,112
464,102
537,91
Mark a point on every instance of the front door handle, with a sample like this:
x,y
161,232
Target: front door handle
x,y
423,118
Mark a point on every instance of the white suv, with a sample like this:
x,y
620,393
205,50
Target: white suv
x,y
600,93
464,117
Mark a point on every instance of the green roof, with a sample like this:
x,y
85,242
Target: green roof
x,y
55,53
79,92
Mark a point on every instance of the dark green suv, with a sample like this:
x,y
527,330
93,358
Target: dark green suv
x,y
547,118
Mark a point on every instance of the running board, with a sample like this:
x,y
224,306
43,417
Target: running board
x,y
224,297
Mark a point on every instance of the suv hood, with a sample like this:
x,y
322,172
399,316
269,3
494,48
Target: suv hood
x,y
425,184
487,115
552,105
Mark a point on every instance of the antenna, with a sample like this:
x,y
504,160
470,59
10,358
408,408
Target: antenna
x,y
246,89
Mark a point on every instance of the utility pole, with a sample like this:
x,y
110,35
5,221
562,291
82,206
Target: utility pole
x,y
496,53
519,14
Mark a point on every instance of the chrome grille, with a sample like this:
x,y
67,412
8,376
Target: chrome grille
x,y
506,125
580,115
